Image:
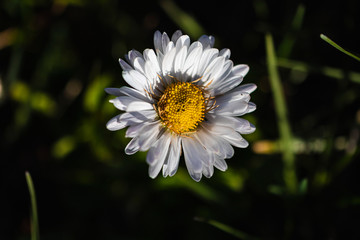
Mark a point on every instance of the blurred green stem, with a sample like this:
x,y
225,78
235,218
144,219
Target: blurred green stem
x,y
289,39
335,45
281,112
236,233
181,18
34,218
332,72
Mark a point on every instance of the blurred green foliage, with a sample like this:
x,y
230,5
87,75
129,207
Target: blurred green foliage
x,y
56,58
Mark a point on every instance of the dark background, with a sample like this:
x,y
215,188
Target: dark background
x,y
56,57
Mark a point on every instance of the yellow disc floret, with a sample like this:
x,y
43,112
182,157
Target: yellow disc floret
x,y
182,107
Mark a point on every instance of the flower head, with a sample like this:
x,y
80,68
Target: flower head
x,y
184,98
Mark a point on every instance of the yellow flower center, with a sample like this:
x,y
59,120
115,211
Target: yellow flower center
x,y
182,107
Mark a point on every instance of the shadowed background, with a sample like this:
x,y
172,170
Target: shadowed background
x,y
56,58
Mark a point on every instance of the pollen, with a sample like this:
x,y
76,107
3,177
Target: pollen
x,y
182,107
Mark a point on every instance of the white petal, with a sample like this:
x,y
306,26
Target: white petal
x,y
170,46
195,175
132,147
218,132
176,36
135,79
208,171
228,133
115,124
192,150
234,108
159,149
149,136
132,55
212,41
220,164
157,155
217,129
151,74
238,124
130,104
183,41
215,143
213,69
248,88
159,57
194,46
168,62
223,74
244,129
179,62
126,103
232,97
251,108
207,41
158,41
139,64
175,156
131,92
227,151
172,163
193,59
164,42
208,56
196,156
150,56
135,130
225,52
113,91
208,141
132,118
124,65
227,84
239,141
122,102
241,69
136,106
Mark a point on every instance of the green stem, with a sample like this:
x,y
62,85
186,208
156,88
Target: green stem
x,y
34,216
281,113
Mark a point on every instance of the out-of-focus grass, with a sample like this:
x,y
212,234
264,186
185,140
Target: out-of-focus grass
x,y
306,68
282,119
287,44
183,19
95,92
36,100
182,180
226,228
34,215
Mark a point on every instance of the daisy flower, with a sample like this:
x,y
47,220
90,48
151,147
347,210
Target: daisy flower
x,y
184,99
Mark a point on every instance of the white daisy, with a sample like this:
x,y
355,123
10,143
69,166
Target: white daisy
x,y
184,98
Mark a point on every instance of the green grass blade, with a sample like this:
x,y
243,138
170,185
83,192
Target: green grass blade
x,y
288,42
335,45
281,113
181,18
34,217
234,232
306,68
